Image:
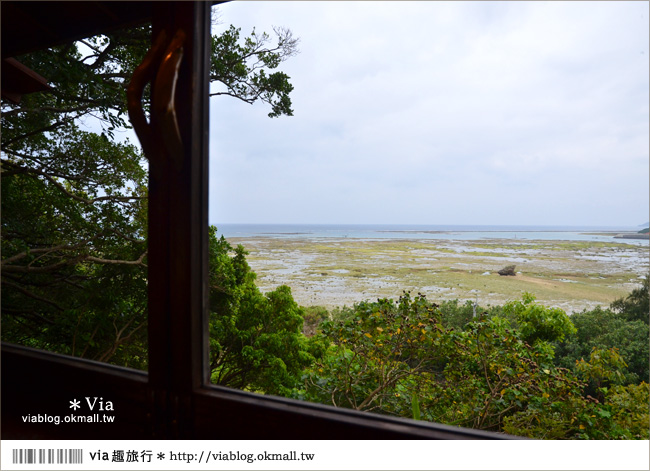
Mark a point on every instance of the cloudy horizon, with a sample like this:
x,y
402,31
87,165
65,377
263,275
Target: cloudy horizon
x,y
513,113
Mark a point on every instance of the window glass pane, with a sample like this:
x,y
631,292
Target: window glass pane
x,y
436,162
74,212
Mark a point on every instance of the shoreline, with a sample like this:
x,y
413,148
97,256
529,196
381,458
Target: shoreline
x,y
523,231
333,272
633,236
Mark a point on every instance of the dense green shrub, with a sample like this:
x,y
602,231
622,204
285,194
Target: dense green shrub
x,y
622,327
314,316
496,370
636,306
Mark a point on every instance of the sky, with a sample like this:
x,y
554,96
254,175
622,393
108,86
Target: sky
x,y
513,113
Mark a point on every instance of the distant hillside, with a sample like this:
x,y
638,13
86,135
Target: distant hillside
x,y
645,231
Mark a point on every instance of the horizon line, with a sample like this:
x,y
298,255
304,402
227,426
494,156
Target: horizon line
x,y
425,224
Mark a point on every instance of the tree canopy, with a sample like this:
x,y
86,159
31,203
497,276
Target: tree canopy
x,y
497,371
74,195
256,339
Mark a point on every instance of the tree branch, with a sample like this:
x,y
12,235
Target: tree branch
x,y
44,109
118,262
103,55
48,177
33,296
70,261
245,100
38,131
118,337
46,269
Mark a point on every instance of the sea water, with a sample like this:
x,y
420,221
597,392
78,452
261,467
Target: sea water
x,y
442,232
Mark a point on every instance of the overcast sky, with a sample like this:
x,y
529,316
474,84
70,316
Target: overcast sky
x,y
442,113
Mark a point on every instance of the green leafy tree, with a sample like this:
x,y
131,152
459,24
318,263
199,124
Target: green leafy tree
x,y
398,358
256,340
458,315
636,306
496,374
619,412
74,198
604,328
603,369
314,316
243,67
628,406
74,248
537,322
375,357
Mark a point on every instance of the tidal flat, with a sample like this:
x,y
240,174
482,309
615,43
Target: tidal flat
x,y
571,275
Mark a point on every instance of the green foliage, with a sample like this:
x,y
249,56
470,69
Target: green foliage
x,y
628,406
73,246
603,328
256,340
415,407
603,368
456,315
342,313
375,355
496,372
74,200
314,316
392,357
622,415
243,68
539,323
636,306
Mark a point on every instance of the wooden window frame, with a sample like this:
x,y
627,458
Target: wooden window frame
x,y
175,400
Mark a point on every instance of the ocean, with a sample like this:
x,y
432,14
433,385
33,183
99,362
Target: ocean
x,y
442,232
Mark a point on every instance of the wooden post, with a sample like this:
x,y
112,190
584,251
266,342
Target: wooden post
x,y
178,240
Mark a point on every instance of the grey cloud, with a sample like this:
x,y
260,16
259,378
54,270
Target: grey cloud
x,y
417,110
